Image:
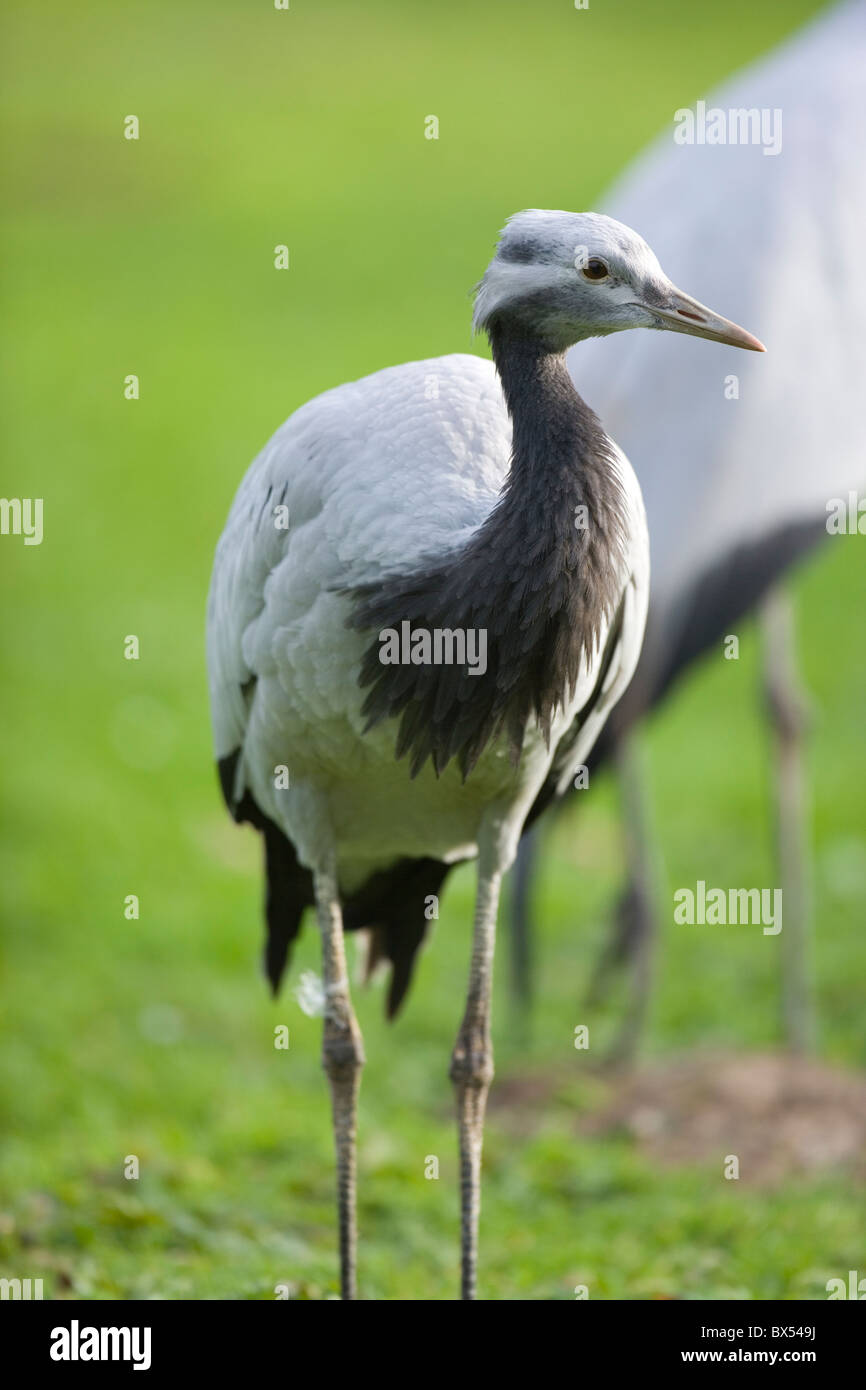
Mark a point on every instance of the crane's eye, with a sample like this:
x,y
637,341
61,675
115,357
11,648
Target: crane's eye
x,y
595,269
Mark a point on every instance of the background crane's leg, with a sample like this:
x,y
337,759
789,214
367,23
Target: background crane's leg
x,y
472,1066
637,911
342,1058
631,945
520,920
788,707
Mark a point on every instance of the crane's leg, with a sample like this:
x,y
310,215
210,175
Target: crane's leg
x,y
472,1065
342,1059
521,923
788,708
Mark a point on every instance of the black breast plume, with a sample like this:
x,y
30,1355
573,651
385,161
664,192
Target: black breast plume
x,y
532,589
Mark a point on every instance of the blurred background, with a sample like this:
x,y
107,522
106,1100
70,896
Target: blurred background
x,y
154,1036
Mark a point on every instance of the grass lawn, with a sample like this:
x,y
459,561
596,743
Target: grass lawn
x,y
154,1037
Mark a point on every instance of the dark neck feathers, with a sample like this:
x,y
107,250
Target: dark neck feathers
x,y
539,577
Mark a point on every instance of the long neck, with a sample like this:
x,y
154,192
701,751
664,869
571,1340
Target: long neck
x,y
539,578
562,478
547,414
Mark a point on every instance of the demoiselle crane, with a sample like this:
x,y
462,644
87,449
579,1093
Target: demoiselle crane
x,y
738,472
455,604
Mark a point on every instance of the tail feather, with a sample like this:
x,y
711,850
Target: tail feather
x,y
395,904
289,890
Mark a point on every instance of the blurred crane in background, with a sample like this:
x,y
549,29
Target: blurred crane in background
x,y
737,471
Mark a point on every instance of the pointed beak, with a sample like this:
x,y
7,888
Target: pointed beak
x,y
679,313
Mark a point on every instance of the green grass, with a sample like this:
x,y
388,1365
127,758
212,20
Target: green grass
x,y
155,1037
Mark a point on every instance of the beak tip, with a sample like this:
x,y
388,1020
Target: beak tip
x,y
686,315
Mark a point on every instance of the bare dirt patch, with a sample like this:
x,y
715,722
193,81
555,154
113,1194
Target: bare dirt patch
x,y
780,1115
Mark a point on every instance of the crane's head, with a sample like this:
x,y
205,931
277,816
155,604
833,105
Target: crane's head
x,y
563,276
